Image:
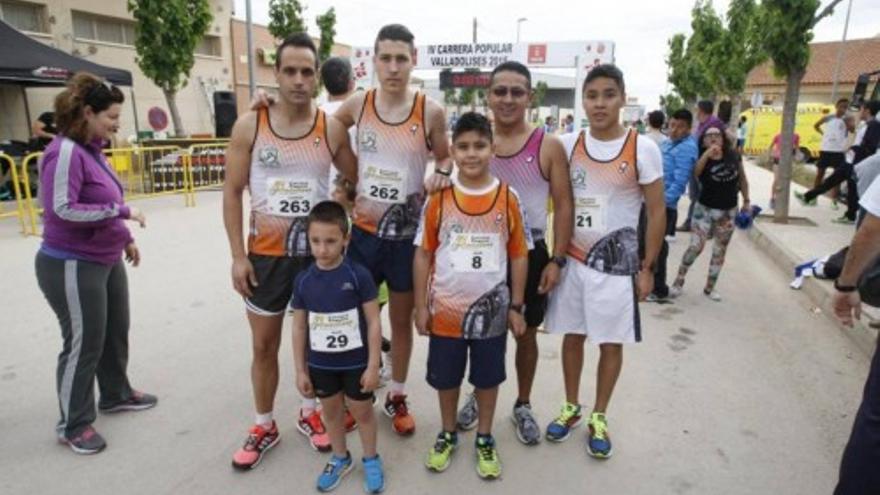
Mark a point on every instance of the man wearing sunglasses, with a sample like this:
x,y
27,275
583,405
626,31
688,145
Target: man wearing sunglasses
x,y
534,163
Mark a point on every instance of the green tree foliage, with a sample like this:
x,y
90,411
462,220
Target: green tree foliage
x,y
671,102
327,25
285,18
788,31
166,35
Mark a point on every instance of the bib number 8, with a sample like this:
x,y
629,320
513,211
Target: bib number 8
x,y
295,206
337,341
389,193
477,262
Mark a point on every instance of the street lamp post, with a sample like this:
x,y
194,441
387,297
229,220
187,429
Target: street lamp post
x,y
840,54
518,25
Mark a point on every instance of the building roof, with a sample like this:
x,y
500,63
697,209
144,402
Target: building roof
x,y
859,56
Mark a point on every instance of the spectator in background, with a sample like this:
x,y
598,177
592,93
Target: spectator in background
x,y
680,154
858,466
655,126
548,125
43,131
775,154
569,124
705,119
741,129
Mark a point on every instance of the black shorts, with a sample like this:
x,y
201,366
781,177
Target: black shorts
x,y
328,383
275,276
831,159
536,304
448,357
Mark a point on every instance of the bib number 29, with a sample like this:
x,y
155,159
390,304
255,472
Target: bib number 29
x,y
337,341
380,192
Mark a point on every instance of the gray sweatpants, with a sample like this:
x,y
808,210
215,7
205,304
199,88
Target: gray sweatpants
x,y
91,303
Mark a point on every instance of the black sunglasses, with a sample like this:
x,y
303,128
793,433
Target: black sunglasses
x,y
501,91
98,89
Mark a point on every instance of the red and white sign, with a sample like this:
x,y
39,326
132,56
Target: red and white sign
x,y
537,54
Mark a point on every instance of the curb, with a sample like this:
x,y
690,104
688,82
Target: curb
x,y
820,292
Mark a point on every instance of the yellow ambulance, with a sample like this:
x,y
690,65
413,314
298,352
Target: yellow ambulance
x,y
764,122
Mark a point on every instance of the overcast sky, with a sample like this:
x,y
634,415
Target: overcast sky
x,y
639,28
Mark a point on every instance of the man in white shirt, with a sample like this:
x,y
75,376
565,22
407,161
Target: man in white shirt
x,y
832,152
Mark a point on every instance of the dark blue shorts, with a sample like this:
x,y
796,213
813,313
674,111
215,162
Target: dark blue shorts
x,y
448,357
388,261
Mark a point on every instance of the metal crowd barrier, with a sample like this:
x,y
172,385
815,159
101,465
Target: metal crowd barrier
x,y
21,209
206,164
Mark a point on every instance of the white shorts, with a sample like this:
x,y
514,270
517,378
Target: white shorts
x,y
588,302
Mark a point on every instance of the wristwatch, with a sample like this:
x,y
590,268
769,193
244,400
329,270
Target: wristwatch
x,y
844,288
560,261
519,308
447,173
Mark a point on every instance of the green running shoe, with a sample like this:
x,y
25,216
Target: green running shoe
x,y
488,463
441,453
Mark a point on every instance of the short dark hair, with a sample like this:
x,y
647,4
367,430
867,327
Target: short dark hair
x,y
328,212
395,32
299,40
842,100
656,118
725,111
684,115
609,71
873,107
512,66
473,121
706,106
336,75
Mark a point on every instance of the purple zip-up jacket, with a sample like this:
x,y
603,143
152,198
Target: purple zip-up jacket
x,y
82,201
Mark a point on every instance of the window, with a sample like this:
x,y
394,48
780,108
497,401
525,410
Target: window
x,y
24,16
107,29
209,45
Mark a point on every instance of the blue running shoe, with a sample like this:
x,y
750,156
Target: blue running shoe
x,y
598,441
374,476
334,471
560,428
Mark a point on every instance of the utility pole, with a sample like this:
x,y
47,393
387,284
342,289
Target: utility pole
x,y
475,30
250,48
840,54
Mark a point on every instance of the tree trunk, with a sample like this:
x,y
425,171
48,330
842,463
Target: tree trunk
x,y
171,99
783,171
737,109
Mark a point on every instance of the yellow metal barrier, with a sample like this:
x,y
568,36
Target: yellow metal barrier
x,y
32,207
150,171
20,209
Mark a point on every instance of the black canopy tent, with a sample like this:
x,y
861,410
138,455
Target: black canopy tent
x,y
26,62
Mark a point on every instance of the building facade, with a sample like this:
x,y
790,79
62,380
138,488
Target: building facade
x,y
102,31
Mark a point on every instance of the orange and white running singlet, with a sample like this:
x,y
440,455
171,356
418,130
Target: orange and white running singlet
x,y
604,234
288,177
391,171
472,234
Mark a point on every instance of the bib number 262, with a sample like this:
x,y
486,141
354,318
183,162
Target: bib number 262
x,y
387,193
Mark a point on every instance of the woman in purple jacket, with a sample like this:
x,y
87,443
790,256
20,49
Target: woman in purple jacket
x,y
79,265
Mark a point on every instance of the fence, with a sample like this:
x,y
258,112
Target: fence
x,y
144,172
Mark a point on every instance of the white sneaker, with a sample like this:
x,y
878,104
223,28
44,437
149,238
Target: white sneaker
x,y
674,292
714,295
385,373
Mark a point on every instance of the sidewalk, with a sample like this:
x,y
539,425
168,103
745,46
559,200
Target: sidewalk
x,y
792,244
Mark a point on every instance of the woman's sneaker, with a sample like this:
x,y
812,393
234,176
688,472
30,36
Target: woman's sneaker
x,y
468,414
374,476
488,462
598,441
86,441
334,471
258,442
560,428
440,454
713,295
137,402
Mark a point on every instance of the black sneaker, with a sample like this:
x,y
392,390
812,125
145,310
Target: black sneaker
x,y
86,441
137,402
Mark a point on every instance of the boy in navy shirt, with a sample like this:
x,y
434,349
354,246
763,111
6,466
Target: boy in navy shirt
x,y
336,342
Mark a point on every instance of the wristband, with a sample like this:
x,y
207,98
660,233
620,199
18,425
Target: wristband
x,y
447,173
519,308
844,288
